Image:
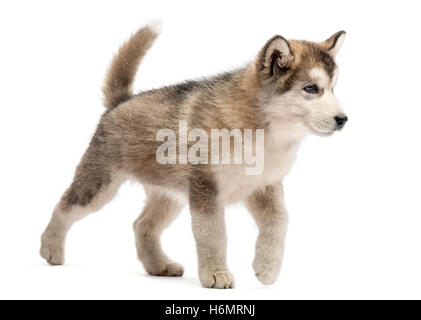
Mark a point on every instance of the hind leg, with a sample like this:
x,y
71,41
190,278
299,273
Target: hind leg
x,y
92,188
160,210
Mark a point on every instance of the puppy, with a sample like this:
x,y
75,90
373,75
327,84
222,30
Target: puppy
x,y
284,94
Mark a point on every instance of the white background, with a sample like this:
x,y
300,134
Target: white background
x,y
354,198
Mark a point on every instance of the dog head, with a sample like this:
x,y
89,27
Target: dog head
x,y
297,80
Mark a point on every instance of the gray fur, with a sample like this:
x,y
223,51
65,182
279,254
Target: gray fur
x,y
266,94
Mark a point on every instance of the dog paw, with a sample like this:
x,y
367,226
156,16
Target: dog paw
x,y
217,279
170,269
267,268
52,251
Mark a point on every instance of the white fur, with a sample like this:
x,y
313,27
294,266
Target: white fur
x,y
281,143
54,237
155,25
314,112
339,42
290,116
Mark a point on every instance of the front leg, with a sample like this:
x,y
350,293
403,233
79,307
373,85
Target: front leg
x,y
209,231
268,209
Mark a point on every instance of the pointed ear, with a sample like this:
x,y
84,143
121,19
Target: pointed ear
x,y
275,56
334,43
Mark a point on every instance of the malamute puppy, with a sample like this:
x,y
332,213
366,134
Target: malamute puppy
x,y
287,91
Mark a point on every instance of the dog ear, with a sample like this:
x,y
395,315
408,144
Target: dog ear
x,y
275,56
334,43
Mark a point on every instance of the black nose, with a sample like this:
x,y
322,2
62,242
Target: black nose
x,y
341,119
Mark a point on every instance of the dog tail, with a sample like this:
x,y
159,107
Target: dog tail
x,y
122,72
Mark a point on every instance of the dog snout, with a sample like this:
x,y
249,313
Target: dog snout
x,y
340,120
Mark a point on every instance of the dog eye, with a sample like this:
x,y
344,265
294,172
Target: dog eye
x,y
312,89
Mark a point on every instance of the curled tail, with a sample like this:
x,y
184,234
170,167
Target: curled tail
x,y
121,74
